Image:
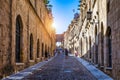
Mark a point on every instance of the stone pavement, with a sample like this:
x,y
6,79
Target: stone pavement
x,y
61,68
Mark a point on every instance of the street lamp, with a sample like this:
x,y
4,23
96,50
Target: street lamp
x,y
89,15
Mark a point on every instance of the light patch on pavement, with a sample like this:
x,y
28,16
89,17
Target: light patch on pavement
x,y
68,71
15,78
71,54
26,73
34,68
39,69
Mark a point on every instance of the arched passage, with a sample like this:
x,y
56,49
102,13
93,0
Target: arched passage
x,y
31,47
19,35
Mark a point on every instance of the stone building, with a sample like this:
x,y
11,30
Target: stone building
x,y
98,31
66,39
113,37
93,39
26,34
71,36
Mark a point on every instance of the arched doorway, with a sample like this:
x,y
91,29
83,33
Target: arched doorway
x,y
96,46
42,50
38,48
31,47
19,33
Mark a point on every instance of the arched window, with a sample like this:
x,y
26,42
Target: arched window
x,y
81,48
95,32
109,46
90,47
46,53
38,48
96,46
42,49
31,47
19,32
102,45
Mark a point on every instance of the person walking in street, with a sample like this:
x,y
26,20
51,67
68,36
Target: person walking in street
x,y
66,53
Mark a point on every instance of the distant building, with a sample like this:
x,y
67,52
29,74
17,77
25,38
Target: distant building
x,y
59,37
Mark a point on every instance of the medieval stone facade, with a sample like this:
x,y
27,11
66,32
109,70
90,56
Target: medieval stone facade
x,y
99,35
26,34
113,33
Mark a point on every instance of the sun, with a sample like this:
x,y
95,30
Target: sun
x,y
53,25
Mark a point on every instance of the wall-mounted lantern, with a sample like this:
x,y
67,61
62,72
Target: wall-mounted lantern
x,y
89,15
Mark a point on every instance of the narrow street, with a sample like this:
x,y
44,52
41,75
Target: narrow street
x,y
61,68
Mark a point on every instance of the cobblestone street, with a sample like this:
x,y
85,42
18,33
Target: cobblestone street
x,y
61,68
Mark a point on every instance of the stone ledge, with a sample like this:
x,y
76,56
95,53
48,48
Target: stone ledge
x,y
31,61
38,58
101,66
19,64
108,68
94,71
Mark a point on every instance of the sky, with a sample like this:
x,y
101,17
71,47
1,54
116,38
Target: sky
x,y
63,12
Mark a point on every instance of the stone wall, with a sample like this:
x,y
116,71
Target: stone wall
x,y
113,23
31,23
